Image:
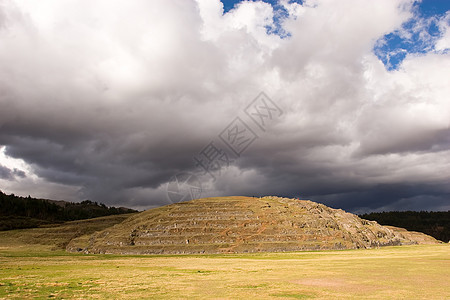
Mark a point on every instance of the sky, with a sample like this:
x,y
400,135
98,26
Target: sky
x,y
133,103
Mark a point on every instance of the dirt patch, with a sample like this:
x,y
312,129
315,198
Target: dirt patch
x,y
336,284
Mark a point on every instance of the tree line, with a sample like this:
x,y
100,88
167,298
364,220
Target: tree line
x,y
25,212
434,223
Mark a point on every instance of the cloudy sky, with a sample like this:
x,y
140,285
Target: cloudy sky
x,y
113,100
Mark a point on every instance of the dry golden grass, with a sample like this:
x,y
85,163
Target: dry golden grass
x,y
57,235
403,272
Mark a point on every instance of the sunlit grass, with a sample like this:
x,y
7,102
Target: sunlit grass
x,y
408,272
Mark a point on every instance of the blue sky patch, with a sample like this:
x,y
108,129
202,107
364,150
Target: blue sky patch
x,y
417,36
280,13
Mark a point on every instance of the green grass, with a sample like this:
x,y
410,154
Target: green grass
x,y
405,272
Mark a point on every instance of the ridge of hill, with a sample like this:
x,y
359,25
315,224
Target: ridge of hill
x,y
242,224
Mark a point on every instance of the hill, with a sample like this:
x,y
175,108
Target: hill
x,y
242,224
434,223
27,212
56,236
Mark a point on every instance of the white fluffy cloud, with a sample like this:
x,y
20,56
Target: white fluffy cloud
x,y
108,99
443,43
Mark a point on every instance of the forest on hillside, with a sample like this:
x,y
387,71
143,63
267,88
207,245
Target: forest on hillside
x,y
27,212
434,223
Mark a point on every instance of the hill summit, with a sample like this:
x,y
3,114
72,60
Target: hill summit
x,y
242,224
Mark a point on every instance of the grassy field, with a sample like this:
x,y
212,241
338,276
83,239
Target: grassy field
x,y
403,272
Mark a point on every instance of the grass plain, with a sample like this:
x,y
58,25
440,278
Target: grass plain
x,y
400,272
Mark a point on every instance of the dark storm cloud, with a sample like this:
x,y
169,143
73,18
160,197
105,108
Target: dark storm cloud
x,y
108,101
8,174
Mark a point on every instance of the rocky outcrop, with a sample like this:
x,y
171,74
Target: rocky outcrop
x,y
239,225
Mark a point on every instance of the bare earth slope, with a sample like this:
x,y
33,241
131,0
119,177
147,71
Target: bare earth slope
x,y
242,224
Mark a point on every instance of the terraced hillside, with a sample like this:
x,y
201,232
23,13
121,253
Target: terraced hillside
x,y
241,224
